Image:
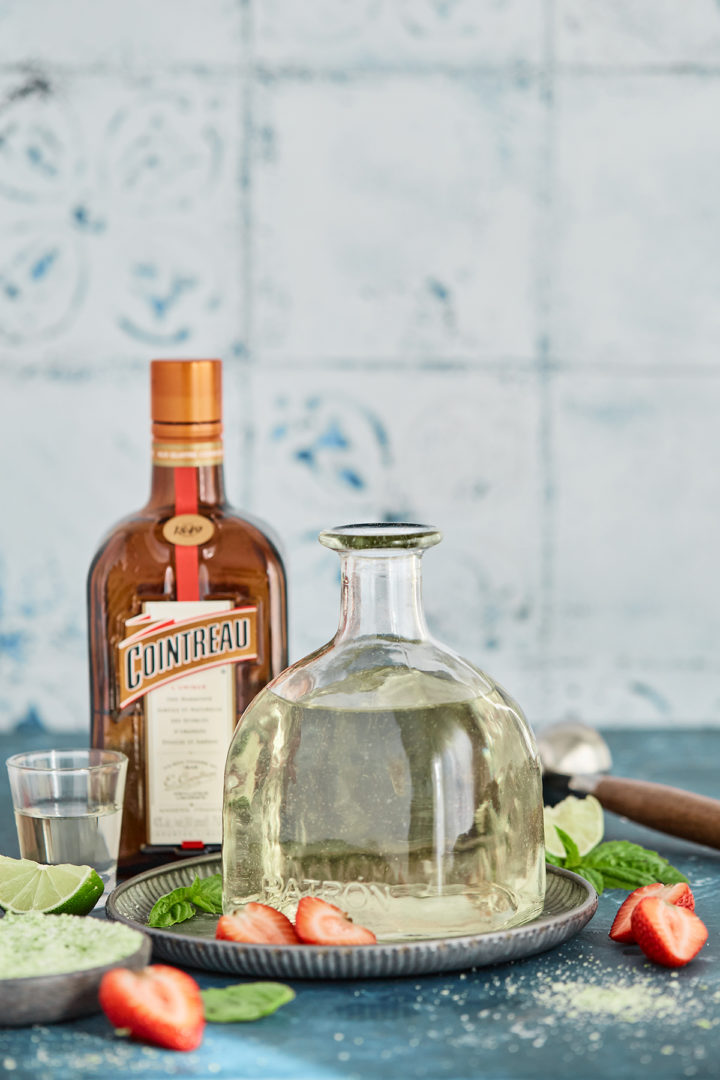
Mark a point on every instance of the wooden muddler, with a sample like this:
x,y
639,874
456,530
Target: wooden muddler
x,y
668,809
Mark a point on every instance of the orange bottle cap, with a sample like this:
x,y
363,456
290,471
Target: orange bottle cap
x,y
186,392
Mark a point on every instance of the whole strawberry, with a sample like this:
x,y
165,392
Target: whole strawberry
x,y
159,1004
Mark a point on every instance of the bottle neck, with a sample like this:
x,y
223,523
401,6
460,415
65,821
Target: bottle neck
x,y
209,485
187,475
381,595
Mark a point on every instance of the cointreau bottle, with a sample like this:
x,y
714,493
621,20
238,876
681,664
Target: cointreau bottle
x,y
187,622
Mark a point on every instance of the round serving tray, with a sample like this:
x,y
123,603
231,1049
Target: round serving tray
x,y
570,902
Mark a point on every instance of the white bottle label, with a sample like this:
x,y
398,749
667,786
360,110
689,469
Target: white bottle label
x,y
189,722
174,637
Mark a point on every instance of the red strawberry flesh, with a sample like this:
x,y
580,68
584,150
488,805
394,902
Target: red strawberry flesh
x,y
319,923
160,1005
679,895
257,924
667,934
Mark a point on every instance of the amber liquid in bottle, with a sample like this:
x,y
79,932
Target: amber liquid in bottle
x,y
137,565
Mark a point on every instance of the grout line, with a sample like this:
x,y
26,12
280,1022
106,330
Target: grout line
x,y
511,69
246,243
54,68
493,364
263,70
397,363
57,367
246,182
681,70
544,270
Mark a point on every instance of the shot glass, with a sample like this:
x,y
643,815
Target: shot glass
x,y
68,807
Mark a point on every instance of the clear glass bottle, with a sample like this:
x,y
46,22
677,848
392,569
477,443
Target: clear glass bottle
x,y
383,772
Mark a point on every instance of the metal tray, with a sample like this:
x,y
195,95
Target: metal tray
x,y
570,902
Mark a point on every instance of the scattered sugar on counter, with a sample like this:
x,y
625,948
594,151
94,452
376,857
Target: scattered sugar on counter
x,y
630,999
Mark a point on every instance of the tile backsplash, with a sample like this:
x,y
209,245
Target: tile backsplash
x,y
460,259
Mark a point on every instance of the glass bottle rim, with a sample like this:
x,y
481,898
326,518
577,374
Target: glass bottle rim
x,y
379,535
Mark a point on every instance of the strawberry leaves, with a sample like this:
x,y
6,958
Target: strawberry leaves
x,y
616,864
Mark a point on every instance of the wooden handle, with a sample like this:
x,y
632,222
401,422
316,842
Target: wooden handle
x,y
668,809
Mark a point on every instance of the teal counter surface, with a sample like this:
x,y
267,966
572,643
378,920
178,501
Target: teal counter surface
x,y
588,1009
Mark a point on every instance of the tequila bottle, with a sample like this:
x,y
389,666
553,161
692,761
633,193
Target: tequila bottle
x,y
384,773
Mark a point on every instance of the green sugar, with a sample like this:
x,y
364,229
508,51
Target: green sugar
x,y
35,944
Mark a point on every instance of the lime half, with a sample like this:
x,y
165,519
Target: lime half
x,y
581,819
51,890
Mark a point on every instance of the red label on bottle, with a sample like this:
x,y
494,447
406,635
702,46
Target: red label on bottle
x,y
186,558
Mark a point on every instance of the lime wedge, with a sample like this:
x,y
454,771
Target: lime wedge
x,y
581,819
52,890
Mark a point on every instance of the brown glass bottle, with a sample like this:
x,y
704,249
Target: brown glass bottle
x,y
168,689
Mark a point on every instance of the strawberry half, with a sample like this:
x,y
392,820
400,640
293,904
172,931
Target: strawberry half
x,y
257,924
159,1004
667,934
680,895
320,923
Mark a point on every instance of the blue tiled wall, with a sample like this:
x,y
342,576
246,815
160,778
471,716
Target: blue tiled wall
x,y
461,260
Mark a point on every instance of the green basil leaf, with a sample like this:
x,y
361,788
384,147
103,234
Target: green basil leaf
x,y
620,878
593,876
174,907
622,858
671,876
572,855
206,893
554,859
623,853
244,1001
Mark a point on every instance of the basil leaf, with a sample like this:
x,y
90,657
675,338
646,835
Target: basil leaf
x,y
630,879
554,859
595,878
572,855
181,904
206,893
623,857
670,875
244,1001
174,907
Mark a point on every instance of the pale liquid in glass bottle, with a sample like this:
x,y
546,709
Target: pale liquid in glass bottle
x,y
385,774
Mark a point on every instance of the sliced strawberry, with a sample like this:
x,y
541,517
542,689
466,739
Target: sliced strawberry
x,y
320,923
680,895
159,1004
257,924
667,934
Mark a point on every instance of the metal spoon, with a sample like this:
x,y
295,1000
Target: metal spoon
x,y
576,758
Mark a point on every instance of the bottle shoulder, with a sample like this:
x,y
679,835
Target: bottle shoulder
x,y
118,535
137,542
378,673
